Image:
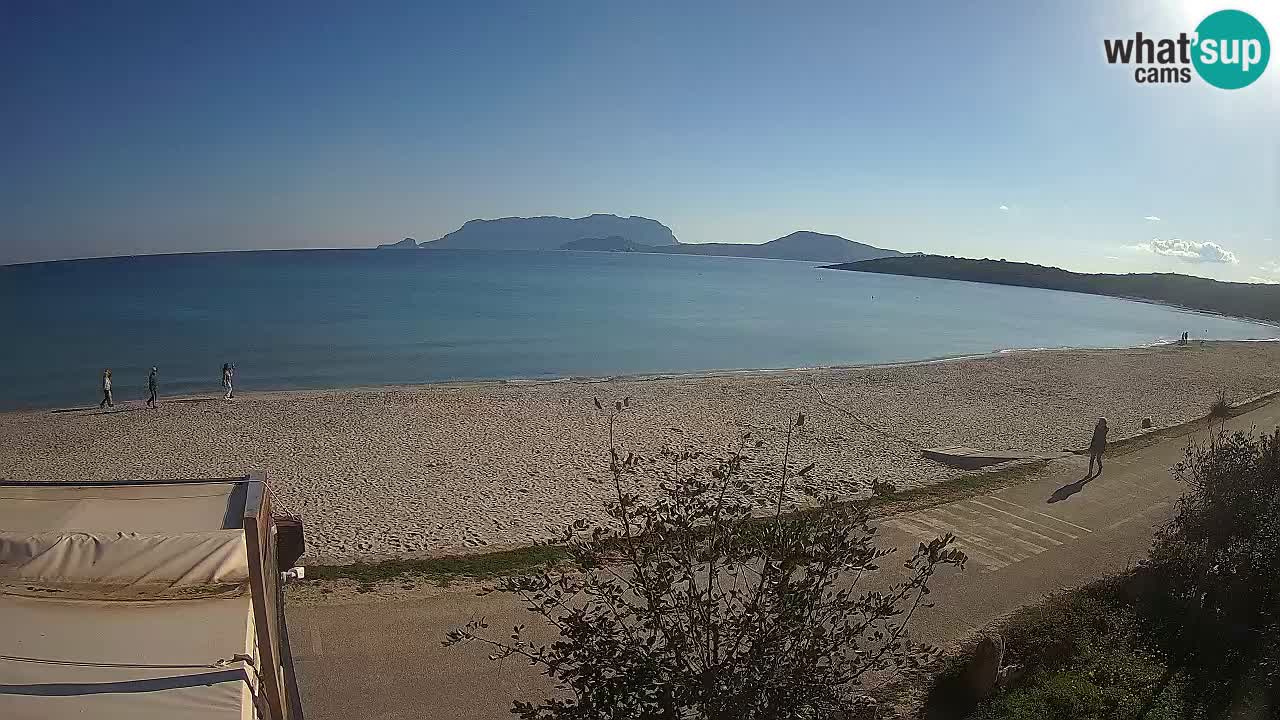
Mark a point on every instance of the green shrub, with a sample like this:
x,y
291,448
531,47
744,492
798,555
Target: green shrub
x,y
1043,639
1216,607
1052,634
1109,684
1057,696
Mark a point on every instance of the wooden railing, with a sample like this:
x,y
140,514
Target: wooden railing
x,y
264,584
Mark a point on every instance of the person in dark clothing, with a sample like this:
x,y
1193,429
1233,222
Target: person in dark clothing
x,y
1098,445
106,389
228,376
151,388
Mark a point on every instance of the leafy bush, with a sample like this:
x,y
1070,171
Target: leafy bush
x,y
1058,635
1108,684
1060,696
1217,606
692,605
1052,634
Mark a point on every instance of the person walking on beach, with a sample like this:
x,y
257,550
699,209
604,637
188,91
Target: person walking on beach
x,y
151,388
106,389
228,374
1098,445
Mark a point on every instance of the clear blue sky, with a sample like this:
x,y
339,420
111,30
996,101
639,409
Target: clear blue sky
x,y
989,129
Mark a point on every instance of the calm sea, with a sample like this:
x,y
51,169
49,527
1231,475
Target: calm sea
x,y
334,318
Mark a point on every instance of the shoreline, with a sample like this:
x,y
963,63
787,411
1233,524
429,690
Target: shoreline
x,y
525,381
1130,298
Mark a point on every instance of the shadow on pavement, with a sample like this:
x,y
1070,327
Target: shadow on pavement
x,y
1067,491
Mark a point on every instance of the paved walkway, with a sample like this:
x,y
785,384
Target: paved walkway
x,y
384,660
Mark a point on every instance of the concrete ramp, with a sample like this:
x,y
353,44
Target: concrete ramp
x,y
967,458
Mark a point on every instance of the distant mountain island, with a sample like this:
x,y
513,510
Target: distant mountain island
x,y
549,233
1260,302
611,233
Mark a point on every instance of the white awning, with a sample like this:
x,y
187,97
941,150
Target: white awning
x,y
126,602
154,660
146,508
117,565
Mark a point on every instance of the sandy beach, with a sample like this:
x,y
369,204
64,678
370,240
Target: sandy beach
x,y
463,468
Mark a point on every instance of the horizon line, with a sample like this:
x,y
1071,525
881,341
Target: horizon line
x,y
375,248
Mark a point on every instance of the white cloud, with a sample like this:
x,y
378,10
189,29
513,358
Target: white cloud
x,y
1004,208
1189,251
1263,280
1111,257
1151,218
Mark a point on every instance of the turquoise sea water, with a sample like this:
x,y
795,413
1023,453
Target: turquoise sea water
x,y
336,318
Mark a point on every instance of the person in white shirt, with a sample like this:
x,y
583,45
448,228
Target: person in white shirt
x,y
106,389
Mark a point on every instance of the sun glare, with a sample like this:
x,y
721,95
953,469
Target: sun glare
x,y
1191,12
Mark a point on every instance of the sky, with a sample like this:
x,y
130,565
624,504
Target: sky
x,y
985,129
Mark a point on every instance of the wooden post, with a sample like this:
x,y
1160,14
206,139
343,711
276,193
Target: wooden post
x,y
264,578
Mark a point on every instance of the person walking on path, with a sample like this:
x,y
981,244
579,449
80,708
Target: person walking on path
x,y
151,388
1098,445
228,374
106,389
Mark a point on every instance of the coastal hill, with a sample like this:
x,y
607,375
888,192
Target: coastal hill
x,y
549,233
801,245
1260,302
405,244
